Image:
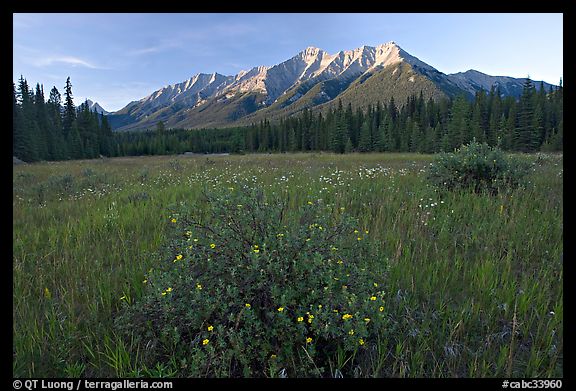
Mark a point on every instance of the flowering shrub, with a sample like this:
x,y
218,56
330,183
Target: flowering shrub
x,y
247,288
478,167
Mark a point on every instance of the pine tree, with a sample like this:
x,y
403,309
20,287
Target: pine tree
x,y
525,135
348,147
365,142
54,109
292,146
23,134
106,136
15,118
69,109
42,131
476,125
339,136
458,125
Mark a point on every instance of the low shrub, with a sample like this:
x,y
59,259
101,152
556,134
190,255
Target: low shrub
x,y
247,288
477,167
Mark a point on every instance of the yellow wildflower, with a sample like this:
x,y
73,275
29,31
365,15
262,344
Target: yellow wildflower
x,y
210,328
310,203
366,320
205,341
381,309
359,238
273,356
373,298
280,309
164,293
247,305
300,319
173,220
144,281
308,340
199,286
212,245
361,341
256,250
346,316
169,289
366,232
356,231
351,332
178,257
376,285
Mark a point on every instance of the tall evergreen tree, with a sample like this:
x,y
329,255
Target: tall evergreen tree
x,y
69,109
525,135
458,125
365,142
23,134
54,109
42,131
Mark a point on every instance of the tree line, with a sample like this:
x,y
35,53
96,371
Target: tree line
x,y
534,122
53,129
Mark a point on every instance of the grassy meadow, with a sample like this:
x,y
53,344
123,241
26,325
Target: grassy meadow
x,y
474,283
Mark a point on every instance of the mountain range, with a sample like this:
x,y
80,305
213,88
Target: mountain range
x,y
312,79
94,106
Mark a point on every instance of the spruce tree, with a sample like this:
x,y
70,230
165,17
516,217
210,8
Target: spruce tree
x,y
24,141
54,109
525,135
458,124
42,133
69,109
365,142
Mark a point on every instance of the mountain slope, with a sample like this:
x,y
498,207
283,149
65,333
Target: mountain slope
x,y
311,79
472,80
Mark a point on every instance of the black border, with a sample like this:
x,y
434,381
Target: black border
x,y
486,6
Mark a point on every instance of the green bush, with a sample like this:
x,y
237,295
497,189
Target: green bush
x,y
478,167
246,288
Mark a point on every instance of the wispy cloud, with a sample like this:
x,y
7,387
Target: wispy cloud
x,y
153,48
39,58
68,60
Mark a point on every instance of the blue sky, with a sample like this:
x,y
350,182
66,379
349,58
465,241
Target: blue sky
x,y
116,58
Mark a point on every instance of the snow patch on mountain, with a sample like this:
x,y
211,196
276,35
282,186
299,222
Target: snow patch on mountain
x,y
95,106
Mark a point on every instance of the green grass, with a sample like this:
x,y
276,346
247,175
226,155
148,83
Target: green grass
x,y
474,284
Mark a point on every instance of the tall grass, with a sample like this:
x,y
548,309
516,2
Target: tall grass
x,y
474,284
